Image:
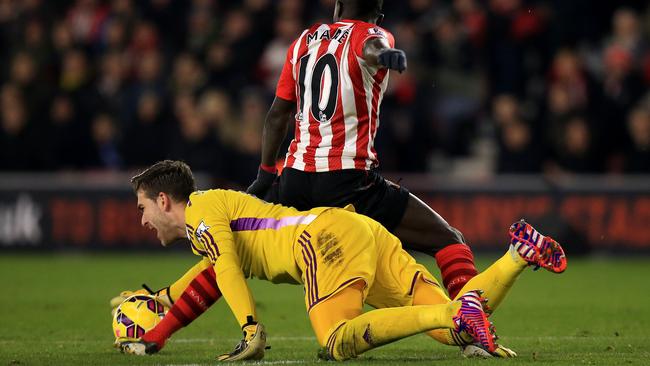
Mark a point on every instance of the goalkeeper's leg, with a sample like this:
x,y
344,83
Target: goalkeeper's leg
x,y
177,288
527,247
495,282
345,332
199,294
425,293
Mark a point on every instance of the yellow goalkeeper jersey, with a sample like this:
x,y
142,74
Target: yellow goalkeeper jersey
x,y
243,237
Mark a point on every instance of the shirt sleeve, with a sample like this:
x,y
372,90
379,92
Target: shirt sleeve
x,y
286,88
367,32
215,236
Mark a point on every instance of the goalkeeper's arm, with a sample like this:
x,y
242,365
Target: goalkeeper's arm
x,y
234,288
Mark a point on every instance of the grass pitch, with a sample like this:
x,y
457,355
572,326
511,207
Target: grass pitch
x,y
55,312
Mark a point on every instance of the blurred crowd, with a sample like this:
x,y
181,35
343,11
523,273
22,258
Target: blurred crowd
x,y
547,86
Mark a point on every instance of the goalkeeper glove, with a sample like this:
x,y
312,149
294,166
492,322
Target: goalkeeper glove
x,y
262,183
392,58
251,347
161,295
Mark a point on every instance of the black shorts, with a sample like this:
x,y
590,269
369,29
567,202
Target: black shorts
x,y
370,193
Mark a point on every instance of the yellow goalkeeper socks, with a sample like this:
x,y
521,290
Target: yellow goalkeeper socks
x,y
378,327
176,289
497,279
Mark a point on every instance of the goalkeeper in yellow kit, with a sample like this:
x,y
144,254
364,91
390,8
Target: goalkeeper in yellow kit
x,y
343,260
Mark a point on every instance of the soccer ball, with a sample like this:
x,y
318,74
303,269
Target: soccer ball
x,y
136,315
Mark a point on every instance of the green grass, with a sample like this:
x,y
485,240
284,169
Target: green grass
x,y
54,311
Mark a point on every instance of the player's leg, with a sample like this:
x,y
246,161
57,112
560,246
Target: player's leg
x,y
400,281
177,288
389,289
424,230
429,292
295,189
338,253
199,294
345,332
426,293
527,247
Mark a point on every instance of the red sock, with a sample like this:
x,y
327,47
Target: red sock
x,y
195,300
456,264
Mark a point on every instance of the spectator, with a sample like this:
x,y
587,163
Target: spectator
x,y
145,39
574,151
249,140
85,19
105,150
114,36
216,107
626,33
518,153
110,89
68,146
146,139
188,76
19,145
24,76
457,83
62,39
286,30
202,29
75,73
622,88
637,157
194,140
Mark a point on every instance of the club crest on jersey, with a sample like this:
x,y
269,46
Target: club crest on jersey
x,y
339,35
201,229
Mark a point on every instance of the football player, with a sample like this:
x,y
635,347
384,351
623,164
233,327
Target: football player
x,y
342,259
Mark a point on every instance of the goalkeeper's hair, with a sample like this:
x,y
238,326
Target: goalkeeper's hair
x,y
172,177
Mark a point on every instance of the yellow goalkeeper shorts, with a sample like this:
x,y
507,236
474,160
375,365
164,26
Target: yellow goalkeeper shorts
x,y
341,247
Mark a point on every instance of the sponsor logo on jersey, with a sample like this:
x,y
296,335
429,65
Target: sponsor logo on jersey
x,y
376,31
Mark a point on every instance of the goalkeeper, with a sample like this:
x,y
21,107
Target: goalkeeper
x,y
342,258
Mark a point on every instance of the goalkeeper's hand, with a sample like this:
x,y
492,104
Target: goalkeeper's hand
x,y
161,295
392,58
262,183
251,347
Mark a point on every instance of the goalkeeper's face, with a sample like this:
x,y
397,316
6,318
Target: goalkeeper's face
x,y
155,217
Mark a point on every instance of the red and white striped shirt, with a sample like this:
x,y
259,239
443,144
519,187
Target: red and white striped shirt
x,y
337,95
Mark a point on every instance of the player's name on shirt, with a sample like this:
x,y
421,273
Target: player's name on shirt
x,y
339,35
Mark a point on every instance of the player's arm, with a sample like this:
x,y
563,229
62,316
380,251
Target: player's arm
x,y
219,244
234,288
378,52
276,126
